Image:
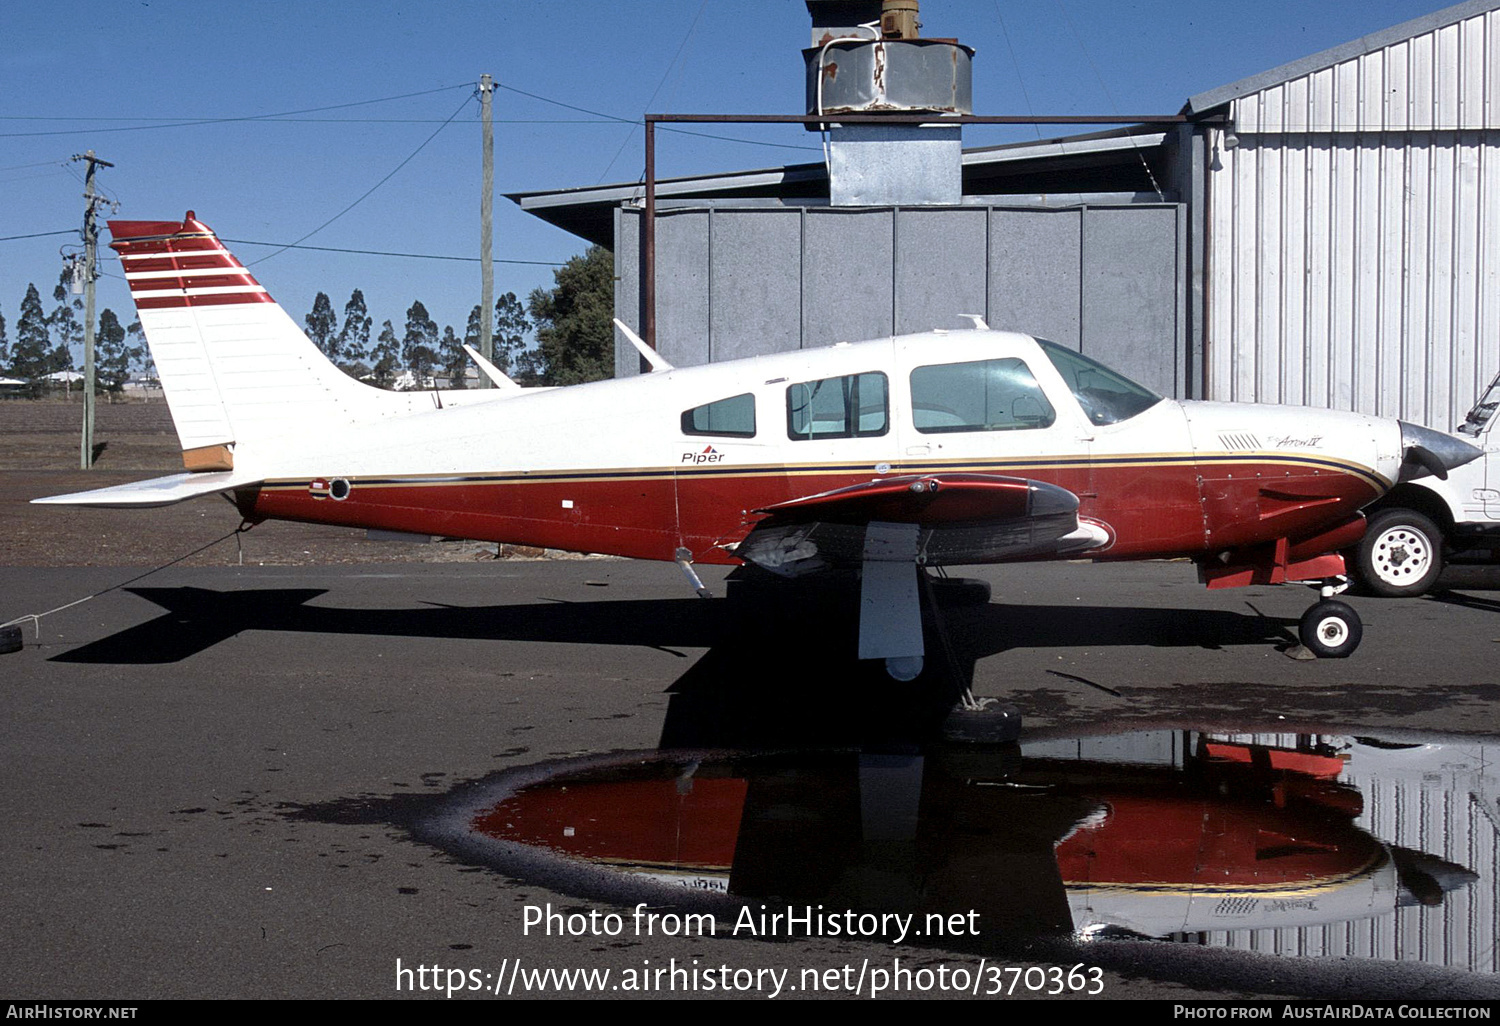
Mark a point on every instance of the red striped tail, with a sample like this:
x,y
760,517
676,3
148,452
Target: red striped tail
x,y
181,263
235,367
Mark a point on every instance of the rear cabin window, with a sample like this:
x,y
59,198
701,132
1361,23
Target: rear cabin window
x,y
733,418
852,406
986,395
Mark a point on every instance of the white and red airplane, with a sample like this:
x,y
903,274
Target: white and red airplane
x,y
928,450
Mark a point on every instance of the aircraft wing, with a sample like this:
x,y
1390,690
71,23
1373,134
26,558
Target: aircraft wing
x,y
952,519
891,527
158,491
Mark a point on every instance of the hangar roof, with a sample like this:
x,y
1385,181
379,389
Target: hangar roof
x,y
1371,43
1112,161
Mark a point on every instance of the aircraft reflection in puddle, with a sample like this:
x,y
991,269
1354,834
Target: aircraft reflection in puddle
x,y
1168,834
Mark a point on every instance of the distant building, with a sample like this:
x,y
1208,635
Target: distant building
x,y
1326,233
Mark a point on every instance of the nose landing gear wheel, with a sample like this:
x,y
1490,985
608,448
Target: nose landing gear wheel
x,y
1330,630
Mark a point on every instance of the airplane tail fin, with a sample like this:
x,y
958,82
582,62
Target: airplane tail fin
x,y
235,367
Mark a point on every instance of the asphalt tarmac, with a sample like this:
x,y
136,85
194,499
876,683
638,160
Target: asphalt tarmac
x,y
211,776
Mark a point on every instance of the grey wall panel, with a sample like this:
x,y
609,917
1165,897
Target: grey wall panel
x,y
736,282
682,309
756,282
1034,272
847,276
1130,309
940,267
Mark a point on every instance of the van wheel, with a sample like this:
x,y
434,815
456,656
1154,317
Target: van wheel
x,y
1401,554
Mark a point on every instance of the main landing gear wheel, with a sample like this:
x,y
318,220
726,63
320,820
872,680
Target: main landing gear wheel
x,y
1401,554
1330,630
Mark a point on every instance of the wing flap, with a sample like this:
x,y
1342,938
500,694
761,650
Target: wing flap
x,y
158,491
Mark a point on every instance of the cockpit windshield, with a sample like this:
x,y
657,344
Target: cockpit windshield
x,y
1107,397
1483,410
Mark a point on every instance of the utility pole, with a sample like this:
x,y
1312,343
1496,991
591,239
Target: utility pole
x,y
90,262
487,228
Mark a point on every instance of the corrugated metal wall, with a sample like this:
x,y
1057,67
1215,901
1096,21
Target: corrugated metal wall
x,y
1355,233
1434,799
740,281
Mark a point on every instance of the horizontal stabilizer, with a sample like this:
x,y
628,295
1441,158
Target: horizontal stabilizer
x,y
158,491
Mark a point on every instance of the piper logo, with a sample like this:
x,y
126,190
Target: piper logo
x,y
708,455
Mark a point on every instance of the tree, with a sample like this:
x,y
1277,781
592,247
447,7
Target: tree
x,y
64,325
387,356
137,345
511,327
455,360
323,327
574,321
28,358
4,344
508,336
115,355
471,334
419,346
354,338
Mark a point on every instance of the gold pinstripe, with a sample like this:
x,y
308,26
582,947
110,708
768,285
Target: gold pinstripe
x,y
755,470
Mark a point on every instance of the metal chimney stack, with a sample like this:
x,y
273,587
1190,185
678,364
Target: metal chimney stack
x,y
867,57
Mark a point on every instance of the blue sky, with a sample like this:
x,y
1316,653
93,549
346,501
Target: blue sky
x,y
94,75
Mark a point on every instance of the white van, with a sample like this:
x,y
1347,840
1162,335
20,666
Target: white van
x,y
1418,525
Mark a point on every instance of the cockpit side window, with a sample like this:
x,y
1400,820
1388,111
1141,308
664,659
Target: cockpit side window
x,y
985,395
1107,397
852,406
730,418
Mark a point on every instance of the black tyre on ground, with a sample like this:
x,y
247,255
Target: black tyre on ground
x,y
1401,554
10,639
1330,630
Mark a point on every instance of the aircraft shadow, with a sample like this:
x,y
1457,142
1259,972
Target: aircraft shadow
x,y
779,667
788,626
196,619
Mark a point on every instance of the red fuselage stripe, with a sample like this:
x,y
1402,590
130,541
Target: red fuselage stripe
x,y
1154,510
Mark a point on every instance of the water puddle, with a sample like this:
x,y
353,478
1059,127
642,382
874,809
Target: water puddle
x,y
1305,845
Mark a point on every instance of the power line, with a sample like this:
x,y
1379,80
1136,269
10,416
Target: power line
x,y
41,163
372,188
382,252
1021,81
274,119
39,235
1150,175
290,117
246,117
655,92
660,127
